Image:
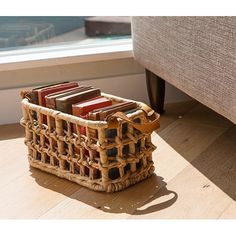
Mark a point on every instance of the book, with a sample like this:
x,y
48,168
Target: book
x,y
34,92
34,98
83,108
102,113
42,93
51,98
64,103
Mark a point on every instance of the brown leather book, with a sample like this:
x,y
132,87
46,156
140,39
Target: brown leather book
x,y
64,103
51,98
42,93
83,108
101,114
34,96
34,92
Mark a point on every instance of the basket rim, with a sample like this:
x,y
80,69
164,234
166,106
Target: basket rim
x,y
78,120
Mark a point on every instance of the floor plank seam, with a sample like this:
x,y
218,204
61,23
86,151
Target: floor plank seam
x,y
225,209
60,202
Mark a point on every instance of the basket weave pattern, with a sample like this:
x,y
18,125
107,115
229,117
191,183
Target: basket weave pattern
x,y
89,160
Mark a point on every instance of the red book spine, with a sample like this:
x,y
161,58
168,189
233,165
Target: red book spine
x,y
79,110
82,111
44,92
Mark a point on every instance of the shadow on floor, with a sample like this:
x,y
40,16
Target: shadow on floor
x,y
11,131
217,161
151,195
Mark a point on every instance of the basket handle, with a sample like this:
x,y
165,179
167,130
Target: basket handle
x,y
146,127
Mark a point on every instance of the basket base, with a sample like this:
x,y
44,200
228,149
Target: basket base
x,y
94,184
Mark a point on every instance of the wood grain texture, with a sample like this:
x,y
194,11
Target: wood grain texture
x,y
195,163
230,212
32,194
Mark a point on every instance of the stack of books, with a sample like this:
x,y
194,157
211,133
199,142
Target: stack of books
x,y
81,101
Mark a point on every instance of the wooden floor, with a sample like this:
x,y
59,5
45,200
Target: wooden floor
x,y
195,175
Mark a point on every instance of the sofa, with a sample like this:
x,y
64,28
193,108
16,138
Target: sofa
x,y
195,54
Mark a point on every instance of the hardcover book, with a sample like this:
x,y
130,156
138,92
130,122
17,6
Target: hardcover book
x,y
51,98
34,96
83,108
34,92
42,93
102,113
64,103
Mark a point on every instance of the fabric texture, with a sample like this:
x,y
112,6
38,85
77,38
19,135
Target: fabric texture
x,y
195,54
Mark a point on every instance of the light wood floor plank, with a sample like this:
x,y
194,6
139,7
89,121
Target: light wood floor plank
x,y
87,204
190,140
198,198
122,204
163,156
207,186
230,211
11,131
205,116
175,110
13,164
195,177
33,194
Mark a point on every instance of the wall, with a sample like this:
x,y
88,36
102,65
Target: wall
x,y
68,72
128,86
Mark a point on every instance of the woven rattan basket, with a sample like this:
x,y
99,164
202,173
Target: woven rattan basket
x,y
94,161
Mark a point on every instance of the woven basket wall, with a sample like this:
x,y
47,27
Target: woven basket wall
x,y
97,161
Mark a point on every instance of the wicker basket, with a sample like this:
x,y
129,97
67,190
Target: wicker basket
x,y
94,161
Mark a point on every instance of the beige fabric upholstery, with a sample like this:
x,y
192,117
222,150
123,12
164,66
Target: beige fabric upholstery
x,y
195,54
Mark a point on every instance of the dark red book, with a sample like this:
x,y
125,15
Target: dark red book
x,y
34,95
82,109
64,103
51,98
34,92
102,113
42,93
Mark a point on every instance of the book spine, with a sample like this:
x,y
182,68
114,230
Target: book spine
x,y
102,115
66,105
34,97
77,110
93,116
34,92
51,103
42,94
101,104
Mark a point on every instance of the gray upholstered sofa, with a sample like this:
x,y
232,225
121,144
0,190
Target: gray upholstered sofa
x,y
195,54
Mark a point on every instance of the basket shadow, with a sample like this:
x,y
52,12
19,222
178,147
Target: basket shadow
x,y
11,131
217,160
148,196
